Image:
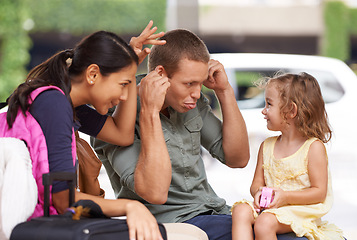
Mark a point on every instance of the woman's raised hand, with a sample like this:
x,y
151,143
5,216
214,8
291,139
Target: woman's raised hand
x,y
147,36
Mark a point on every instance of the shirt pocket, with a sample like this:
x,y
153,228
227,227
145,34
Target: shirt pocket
x,y
167,137
194,127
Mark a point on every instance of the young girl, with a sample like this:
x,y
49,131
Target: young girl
x,y
99,71
293,164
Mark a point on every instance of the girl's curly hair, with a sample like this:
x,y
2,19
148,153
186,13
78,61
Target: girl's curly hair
x,y
303,90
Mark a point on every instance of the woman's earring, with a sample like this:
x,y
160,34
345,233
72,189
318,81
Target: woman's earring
x,y
91,82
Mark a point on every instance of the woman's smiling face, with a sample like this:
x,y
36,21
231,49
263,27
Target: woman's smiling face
x,y
109,90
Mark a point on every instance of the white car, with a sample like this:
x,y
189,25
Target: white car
x,y
339,88
337,81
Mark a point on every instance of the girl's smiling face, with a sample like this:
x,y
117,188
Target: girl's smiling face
x,y
271,111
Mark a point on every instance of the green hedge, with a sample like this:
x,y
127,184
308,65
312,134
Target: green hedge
x,y
18,18
83,16
336,42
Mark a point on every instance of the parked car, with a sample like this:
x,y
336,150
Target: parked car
x,y
339,89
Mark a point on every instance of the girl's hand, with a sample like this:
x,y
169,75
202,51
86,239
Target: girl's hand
x,y
142,224
257,200
279,199
147,36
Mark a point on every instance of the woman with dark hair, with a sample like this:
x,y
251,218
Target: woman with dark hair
x,y
99,71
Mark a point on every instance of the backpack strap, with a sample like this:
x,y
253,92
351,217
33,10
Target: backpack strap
x,y
33,96
39,90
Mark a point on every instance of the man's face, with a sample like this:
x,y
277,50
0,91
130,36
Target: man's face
x,y
186,84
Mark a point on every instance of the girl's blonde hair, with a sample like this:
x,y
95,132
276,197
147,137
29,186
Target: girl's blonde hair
x,y
302,89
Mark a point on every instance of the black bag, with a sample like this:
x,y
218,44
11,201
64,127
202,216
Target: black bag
x,y
62,227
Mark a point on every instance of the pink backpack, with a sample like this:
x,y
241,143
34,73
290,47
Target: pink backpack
x,y
27,129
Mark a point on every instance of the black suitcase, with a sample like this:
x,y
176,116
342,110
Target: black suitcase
x,y
62,228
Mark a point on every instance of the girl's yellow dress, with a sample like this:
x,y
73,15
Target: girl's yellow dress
x,y
290,174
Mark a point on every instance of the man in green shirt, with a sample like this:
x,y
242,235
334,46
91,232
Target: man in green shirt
x,y
163,168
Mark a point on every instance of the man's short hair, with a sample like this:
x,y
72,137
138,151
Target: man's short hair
x,y
180,44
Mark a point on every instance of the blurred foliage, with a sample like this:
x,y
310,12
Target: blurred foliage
x,y
14,45
83,16
352,23
19,18
336,42
247,79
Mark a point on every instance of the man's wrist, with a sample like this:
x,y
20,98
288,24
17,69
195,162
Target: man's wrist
x,y
149,119
228,92
149,112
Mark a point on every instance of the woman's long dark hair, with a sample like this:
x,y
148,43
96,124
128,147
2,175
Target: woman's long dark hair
x,y
110,52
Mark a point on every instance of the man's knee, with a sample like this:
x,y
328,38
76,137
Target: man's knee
x,y
215,226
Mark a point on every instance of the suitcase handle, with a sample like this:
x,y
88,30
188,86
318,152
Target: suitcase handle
x,y
47,180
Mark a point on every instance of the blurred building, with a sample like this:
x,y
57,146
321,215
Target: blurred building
x,y
277,26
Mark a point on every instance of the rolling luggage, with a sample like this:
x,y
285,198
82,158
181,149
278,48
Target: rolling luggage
x,y
63,227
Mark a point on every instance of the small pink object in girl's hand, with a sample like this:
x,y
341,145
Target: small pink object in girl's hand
x,y
266,198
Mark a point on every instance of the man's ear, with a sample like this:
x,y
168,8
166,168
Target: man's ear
x,y
161,70
92,73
